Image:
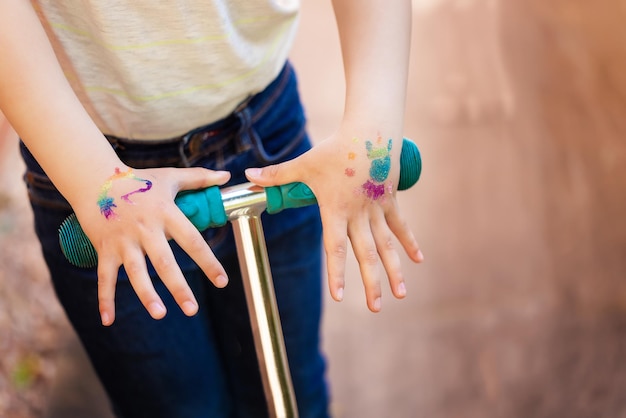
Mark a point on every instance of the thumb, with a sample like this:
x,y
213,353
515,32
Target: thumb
x,y
200,178
274,175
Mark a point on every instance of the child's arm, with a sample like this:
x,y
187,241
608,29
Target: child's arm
x,y
40,104
354,172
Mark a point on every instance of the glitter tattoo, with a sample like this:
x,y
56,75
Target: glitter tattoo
x,y
107,203
375,187
351,156
380,156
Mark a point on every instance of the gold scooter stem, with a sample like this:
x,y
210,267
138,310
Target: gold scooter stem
x,y
244,205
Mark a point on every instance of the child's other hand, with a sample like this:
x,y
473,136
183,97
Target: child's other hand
x,y
354,179
137,216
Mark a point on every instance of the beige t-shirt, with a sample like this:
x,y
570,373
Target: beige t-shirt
x,y
155,70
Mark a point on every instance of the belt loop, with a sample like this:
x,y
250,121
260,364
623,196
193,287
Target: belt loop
x,y
245,129
181,150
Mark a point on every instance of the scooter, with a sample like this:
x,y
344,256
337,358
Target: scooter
x,y
243,205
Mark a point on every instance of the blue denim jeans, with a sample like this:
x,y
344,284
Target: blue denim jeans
x,y
202,366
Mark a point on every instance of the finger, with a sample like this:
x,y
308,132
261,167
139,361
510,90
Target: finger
x,y
197,178
385,244
166,266
401,229
277,174
107,280
193,243
336,248
367,255
135,266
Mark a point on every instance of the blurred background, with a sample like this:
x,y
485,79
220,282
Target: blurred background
x,y
519,109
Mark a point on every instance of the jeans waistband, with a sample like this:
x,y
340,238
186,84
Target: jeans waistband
x,y
223,137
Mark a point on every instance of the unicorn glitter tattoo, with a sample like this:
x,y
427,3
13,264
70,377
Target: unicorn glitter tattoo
x,y
107,203
375,187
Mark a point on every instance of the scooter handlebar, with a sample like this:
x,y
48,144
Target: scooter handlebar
x,y
205,209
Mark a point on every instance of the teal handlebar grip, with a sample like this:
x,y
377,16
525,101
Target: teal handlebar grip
x,y
295,195
292,195
205,209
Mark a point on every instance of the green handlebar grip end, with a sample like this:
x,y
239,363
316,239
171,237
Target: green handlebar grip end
x,y
410,165
204,208
292,195
75,245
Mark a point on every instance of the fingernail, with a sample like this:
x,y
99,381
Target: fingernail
x,y
401,289
339,294
106,319
157,310
190,308
420,256
253,172
377,304
221,281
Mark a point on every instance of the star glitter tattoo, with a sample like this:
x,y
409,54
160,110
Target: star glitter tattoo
x,y
375,187
107,203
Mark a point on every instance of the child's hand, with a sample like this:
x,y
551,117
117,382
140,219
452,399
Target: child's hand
x,y
354,180
136,217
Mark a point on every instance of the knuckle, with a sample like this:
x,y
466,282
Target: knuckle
x,y
196,243
104,277
389,244
104,288
163,262
133,268
179,290
370,256
212,267
339,251
104,284
410,242
395,273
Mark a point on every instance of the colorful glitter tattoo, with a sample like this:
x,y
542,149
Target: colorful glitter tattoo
x,y
107,203
381,161
380,157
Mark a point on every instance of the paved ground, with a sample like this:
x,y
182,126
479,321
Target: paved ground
x,y
520,308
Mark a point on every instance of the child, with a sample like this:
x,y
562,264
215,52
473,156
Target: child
x,y
121,105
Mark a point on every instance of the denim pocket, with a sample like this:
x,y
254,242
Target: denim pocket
x,y
267,153
279,123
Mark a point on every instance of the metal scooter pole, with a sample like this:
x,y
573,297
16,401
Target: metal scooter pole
x,y
244,205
